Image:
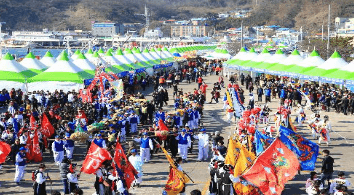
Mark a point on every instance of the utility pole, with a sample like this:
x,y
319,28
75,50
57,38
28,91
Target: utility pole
x,y
301,33
1,23
257,35
322,33
329,27
241,33
147,21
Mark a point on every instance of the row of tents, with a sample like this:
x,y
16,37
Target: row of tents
x,y
70,72
334,70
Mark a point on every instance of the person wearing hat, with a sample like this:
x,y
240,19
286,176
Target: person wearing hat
x,y
121,124
133,121
196,117
160,115
203,145
190,116
40,180
20,165
145,146
184,142
137,163
99,141
69,146
341,180
58,150
73,177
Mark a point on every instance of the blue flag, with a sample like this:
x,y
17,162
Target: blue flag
x,y
306,150
16,129
262,142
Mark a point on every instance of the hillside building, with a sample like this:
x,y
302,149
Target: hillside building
x,y
190,30
344,27
108,29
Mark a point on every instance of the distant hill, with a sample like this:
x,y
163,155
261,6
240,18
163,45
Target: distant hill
x,y
78,14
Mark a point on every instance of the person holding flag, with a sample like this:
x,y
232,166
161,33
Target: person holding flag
x,y
145,146
58,150
99,141
73,178
20,165
137,163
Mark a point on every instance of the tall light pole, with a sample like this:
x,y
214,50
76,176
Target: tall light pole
x,y
1,23
329,26
241,33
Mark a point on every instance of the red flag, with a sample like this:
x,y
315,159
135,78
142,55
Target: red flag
x,y
162,134
94,159
29,146
123,163
32,121
36,150
162,126
273,168
47,128
5,149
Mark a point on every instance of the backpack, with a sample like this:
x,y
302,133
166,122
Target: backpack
x,y
34,175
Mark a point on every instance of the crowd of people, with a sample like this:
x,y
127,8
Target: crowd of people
x,y
131,120
294,98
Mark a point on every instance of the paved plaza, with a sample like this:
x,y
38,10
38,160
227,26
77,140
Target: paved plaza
x,y
214,119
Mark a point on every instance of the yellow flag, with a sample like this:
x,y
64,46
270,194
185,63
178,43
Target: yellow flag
x,y
244,161
179,173
233,151
229,99
291,124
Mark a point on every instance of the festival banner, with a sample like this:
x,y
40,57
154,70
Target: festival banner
x,y
5,150
244,161
123,163
237,105
29,146
94,159
47,128
273,168
233,150
174,184
36,150
262,142
306,150
119,88
228,97
176,178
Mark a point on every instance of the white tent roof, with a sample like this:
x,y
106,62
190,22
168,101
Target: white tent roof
x,y
31,62
293,59
276,58
83,63
335,61
11,66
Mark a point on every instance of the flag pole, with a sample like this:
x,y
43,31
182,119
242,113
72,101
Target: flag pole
x,y
174,161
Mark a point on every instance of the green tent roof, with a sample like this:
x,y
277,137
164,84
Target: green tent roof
x,y
128,51
108,53
164,49
48,54
30,55
252,50
279,51
152,50
295,52
89,51
8,56
265,50
77,52
314,53
119,52
100,51
81,56
95,55
336,55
